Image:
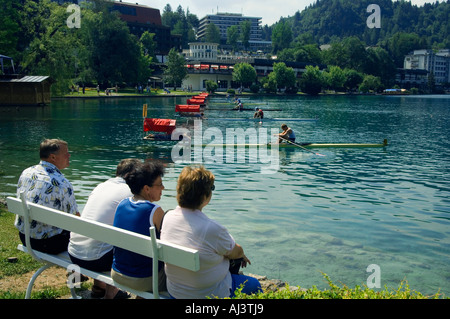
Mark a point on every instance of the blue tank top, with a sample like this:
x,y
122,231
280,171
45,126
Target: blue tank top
x,y
135,217
291,135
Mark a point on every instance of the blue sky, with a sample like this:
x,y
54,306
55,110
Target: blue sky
x,y
269,10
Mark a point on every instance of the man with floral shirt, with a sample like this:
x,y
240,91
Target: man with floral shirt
x,y
44,184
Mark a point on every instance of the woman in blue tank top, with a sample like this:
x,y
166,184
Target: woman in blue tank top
x,y
137,214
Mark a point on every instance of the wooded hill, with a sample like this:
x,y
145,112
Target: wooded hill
x,y
328,21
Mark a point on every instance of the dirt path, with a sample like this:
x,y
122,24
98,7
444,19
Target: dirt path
x,y
54,277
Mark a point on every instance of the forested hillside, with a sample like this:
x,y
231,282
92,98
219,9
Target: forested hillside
x,y
328,21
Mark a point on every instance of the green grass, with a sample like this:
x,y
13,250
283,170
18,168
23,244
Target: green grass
x,y
9,240
45,293
92,92
336,292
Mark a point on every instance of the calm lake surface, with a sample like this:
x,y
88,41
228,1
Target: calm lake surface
x,y
335,214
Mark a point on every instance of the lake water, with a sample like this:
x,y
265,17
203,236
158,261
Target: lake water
x,y
335,214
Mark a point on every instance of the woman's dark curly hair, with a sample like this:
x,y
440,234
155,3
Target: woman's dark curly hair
x,y
144,174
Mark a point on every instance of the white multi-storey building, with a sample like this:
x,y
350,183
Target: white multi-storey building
x,y
225,20
202,51
437,63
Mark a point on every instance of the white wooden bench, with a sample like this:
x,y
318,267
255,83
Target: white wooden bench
x,y
148,246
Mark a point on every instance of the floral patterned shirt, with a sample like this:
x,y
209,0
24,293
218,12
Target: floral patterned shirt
x,y
45,185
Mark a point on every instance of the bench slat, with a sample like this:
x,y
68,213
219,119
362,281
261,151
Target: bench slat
x,y
141,244
63,260
169,253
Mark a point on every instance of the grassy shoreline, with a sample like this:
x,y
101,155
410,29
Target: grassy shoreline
x,y
130,92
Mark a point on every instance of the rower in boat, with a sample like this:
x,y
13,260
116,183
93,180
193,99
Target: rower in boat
x,y
239,107
259,114
287,134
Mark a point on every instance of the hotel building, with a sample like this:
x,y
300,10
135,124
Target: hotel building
x,y
437,63
225,20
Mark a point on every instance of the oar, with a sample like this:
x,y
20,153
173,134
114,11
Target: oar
x,y
304,148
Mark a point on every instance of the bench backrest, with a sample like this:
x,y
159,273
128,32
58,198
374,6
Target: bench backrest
x,y
186,258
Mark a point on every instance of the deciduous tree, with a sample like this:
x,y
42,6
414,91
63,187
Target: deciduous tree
x,y
176,70
244,74
233,36
284,76
212,33
312,80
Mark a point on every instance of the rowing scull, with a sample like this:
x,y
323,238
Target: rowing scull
x,y
306,145
263,119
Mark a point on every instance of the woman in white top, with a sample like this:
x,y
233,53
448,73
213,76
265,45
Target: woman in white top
x,y
101,206
188,226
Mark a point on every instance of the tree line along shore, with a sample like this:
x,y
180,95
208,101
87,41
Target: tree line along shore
x,y
103,51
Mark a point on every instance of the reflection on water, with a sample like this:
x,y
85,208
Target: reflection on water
x,y
335,214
